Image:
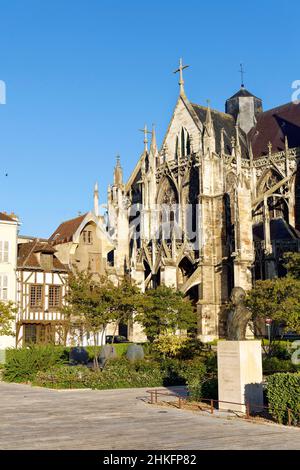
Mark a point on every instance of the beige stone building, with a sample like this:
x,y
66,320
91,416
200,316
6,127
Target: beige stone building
x,y
214,207
84,244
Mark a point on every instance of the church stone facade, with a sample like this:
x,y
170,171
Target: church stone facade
x,y
214,207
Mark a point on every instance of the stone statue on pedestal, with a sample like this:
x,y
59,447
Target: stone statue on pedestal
x,y
238,317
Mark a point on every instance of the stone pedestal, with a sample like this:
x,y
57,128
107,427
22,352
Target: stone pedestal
x,y
240,374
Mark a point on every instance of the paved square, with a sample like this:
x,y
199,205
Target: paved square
x,y
36,418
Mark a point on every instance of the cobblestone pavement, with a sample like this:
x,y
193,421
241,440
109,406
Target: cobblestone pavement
x,y
36,418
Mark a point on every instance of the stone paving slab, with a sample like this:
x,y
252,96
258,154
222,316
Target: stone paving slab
x,y
37,418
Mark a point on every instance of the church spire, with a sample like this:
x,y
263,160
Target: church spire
x,y
208,120
238,155
181,81
118,173
96,200
153,146
209,144
146,132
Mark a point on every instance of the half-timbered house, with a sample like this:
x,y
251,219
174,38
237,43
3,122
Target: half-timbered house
x,y
41,288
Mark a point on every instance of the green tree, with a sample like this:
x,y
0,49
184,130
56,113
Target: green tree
x,y
292,264
163,310
124,301
7,317
278,299
88,305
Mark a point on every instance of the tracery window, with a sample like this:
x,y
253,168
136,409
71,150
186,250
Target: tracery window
x,y
182,144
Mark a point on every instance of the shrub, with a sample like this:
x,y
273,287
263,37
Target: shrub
x,y
191,348
22,364
169,345
172,369
283,391
211,362
194,373
279,349
274,364
209,388
117,374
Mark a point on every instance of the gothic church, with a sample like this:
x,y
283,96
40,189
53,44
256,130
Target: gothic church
x,y
214,207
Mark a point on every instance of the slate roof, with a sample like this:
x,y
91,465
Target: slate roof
x,y
28,256
226,121
272,126
242,93
66,230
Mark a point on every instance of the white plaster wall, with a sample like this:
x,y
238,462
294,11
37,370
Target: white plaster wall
x,y
8,232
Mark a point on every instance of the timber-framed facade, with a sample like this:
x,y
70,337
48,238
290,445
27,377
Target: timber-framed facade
x,y
41,290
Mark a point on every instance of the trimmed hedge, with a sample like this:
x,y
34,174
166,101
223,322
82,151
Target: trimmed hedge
x,y
283,391
274,364
121,349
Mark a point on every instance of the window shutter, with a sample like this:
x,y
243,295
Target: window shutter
x,y
6,246
3,286
4,249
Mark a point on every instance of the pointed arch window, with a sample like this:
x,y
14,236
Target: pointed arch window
x,y
182,144
183,147
177,149
188,144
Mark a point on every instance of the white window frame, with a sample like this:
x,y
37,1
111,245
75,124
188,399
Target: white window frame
x,y
4,251
3,286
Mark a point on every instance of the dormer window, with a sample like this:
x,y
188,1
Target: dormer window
x,y
46,261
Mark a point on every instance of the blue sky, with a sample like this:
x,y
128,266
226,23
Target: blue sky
x,y
83,76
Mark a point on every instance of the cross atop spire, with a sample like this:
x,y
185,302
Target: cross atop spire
x,y
181,81
146,132
242,72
